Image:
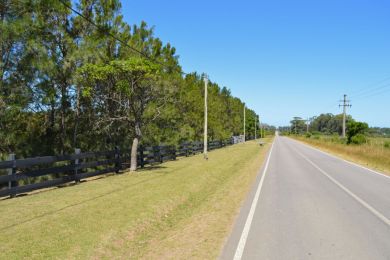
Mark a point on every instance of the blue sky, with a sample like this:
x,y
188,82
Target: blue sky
x,y
283,58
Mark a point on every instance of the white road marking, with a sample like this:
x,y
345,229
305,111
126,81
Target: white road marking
x,y
248,223
334,156
353,195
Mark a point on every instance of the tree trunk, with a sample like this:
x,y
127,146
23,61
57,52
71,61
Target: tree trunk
x,y
76,126
133,159
134,148
63,124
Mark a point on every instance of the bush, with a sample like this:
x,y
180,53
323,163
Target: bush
x,y
315,137
343,140
387,144
335,139
308,135
354,129
358,139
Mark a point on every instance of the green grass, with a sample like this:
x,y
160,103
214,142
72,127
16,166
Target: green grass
x,y
181,209
373,154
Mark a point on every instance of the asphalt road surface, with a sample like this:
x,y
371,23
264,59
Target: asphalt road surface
x,y
307,204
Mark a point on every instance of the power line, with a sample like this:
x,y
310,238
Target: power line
x,y
369,86
118,39
381,89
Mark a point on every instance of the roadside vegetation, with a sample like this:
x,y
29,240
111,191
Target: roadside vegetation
x,y
181,209
364,145
95,82
373,153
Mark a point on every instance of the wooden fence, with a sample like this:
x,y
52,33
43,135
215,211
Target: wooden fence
x,y
25,175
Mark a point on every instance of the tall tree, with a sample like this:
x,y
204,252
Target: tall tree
x,y
136,89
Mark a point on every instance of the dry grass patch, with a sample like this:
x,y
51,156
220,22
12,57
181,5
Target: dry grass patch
x,y
183,209
373,154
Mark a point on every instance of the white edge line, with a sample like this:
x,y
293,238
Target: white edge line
x,y
248,222
337,157
353,195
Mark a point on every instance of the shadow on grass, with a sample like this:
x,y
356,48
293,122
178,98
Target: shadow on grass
x,y
151,168
123,187
70,184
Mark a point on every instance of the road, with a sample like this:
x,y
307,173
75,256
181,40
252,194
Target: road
x,y
307,204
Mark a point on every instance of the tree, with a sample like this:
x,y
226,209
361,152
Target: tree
x,y
133,91
297,125
72,85
328,123
354,128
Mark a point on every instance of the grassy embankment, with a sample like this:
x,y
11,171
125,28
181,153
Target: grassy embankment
x,y
181,209
374,154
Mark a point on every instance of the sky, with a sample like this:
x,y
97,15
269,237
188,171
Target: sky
x,y
283,58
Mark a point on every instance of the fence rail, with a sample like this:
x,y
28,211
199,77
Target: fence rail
x,y
25,175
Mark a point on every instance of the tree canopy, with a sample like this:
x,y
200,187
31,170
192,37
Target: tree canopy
x,y
66,83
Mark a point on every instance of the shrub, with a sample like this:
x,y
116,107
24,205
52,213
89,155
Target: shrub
x,y
387,144
335,139
308,135
354,129
358,139
343,140
315,137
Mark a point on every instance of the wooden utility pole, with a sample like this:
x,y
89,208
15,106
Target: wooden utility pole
x,y
244,122
255,127
261,128
307,125
206,80
345,104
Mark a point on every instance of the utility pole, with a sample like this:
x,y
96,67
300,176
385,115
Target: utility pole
x,y
261,129
206,81
345,104
307,125
255,126
244,122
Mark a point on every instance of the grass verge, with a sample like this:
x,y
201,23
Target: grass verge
x,y
372,154
182,209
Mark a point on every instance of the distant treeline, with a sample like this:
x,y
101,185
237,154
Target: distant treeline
x,y
379,131
66,83
328,124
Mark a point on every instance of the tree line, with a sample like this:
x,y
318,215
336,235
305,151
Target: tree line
x,y
329,124
94,82
324,123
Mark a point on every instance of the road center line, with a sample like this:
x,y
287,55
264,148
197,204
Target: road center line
x,y
248,222
353,195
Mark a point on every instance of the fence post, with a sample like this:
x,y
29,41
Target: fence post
x,y
174,152
159,153
117,159
156,157
141,156
186,149
12,171
76,163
